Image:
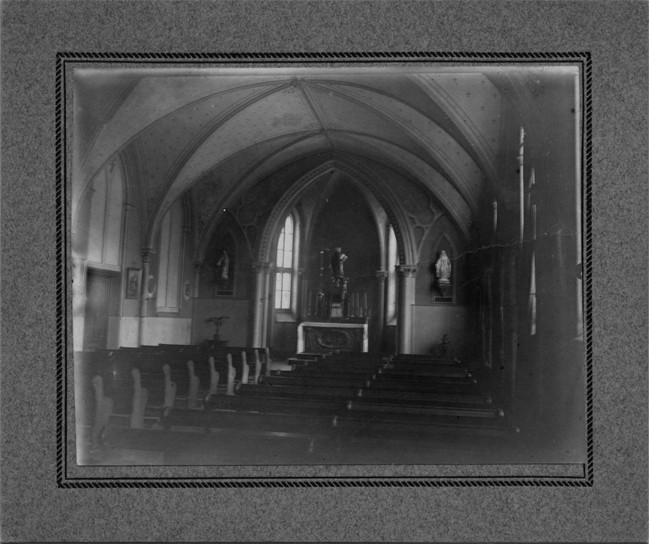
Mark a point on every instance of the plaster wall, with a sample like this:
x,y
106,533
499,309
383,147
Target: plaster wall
x,y
430,322
235,329
166,330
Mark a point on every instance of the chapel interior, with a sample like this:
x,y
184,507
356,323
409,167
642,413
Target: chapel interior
x,y
327,266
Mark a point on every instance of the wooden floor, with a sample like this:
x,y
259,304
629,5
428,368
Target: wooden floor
x,y
191,446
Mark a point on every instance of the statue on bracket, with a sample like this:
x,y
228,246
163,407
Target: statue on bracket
x,y
443,269
223,265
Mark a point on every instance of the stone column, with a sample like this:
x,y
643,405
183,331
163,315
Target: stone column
x,y
302,295
198,265
521,188
381,276
80,233
407,274
261,273
266,303
147,253
79,268
513,336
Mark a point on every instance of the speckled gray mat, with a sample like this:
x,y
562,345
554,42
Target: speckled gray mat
x,y
613,509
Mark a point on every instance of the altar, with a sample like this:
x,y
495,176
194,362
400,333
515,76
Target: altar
x,y
344,334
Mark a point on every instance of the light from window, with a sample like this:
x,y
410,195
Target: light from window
x,y
285,266
169,264
532,295
392,277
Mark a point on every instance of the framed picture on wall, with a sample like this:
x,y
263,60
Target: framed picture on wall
x,y
133,282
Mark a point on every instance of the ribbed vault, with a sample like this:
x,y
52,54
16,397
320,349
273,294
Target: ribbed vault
x,y
216,135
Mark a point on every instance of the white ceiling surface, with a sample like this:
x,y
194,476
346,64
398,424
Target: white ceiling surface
x,y
442,129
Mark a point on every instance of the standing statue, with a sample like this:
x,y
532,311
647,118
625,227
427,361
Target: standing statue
x,y
443,268
224,266
337,260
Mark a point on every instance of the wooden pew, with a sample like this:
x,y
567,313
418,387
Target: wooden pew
x,y
308,380
294,391
145,383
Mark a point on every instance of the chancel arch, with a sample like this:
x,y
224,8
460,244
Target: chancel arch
x,y
381,194
371,196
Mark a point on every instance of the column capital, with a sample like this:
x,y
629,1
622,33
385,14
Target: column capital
x,y
78,260
381,274
147,253
407,270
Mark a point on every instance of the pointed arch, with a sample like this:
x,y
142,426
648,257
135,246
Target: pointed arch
x,y
407,246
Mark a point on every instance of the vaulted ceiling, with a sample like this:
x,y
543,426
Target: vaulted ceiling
x,y
216,134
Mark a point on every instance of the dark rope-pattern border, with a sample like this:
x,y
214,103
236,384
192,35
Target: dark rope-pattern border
x,y
583,58
320,56
61,277
307,483
587,206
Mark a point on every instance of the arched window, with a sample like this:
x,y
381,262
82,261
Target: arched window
x,y
170,264
532,293
286,265
105,218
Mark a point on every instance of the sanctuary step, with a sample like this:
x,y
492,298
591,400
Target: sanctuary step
x,y
424,359
312,356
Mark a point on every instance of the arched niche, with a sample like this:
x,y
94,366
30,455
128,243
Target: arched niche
x,y
345,219
219,269
443,292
